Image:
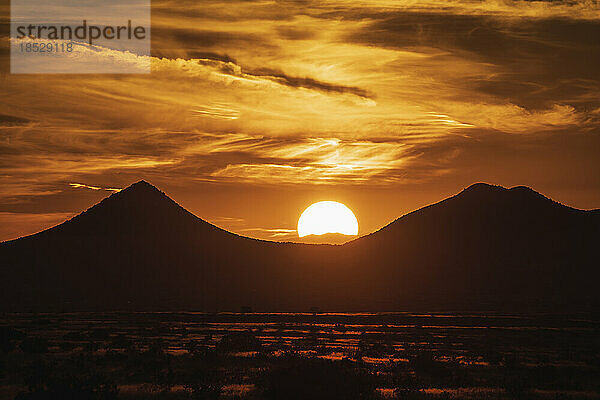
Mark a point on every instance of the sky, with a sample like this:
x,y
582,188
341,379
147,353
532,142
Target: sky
x,y
256,109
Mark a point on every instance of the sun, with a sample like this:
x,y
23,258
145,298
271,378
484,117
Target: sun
x,y
327,217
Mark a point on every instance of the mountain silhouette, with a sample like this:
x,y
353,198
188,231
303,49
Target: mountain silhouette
x,y
487,249
139,210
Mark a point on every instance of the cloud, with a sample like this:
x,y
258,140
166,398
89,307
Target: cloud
x,y
83,186
272,233
10,120
529,57
584,9
511,118
219,110
229,220
377,94
308,83
318,160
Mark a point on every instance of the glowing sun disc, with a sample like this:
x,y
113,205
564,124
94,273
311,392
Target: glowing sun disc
x,y
327,217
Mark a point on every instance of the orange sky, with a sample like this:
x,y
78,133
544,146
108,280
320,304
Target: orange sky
x,y
256,109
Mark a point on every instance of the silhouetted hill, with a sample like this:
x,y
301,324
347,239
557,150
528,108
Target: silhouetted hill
x,y
491,247
139,209
487,248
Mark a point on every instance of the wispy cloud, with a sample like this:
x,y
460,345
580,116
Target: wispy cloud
x,y
314,160
217,111
83,186
272,233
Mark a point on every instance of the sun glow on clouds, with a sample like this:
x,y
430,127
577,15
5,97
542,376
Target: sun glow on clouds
x,y
320,160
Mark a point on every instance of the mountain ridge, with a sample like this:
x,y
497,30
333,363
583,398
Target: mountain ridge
x,y
478,189
486,248
143,186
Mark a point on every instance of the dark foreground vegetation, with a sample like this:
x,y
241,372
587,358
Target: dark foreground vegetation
x,y
298,356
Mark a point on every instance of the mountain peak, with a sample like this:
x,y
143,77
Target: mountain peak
x,y
523,189
519,197
141,186
482,187
141,192
139,207
481,192
142,183
485,190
